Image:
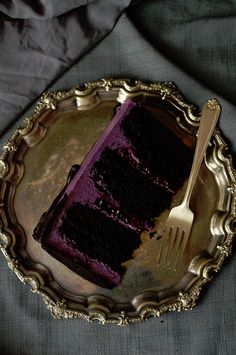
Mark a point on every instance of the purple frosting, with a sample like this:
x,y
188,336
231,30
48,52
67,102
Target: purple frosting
x,y
82,186
64,247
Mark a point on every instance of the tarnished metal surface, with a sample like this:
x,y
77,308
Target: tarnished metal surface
x,y
34,166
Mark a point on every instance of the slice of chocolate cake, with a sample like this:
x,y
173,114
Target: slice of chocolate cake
x,y
127,179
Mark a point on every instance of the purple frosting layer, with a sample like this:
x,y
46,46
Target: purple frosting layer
x,y
82,186
63,246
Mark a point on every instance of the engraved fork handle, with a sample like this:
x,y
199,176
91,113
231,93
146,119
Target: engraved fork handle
x,y
209,117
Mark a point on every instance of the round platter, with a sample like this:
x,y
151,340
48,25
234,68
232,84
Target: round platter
x,y
34,166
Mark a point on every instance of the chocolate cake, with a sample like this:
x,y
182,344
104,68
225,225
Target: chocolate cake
x,y
126,180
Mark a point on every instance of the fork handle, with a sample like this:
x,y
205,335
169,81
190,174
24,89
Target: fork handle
x,y
209,117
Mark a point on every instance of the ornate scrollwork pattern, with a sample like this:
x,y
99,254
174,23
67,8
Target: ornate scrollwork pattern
x,y
213,104
188,300
4,168
10,147
225,249
27,126
4,238
47,101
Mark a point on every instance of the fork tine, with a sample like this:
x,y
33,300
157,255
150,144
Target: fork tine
x,y
181,248
163,248
159,253
177,251
172,246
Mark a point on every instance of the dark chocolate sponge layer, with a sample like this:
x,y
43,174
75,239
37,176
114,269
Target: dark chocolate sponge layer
x,y
106,238
157,146
137,194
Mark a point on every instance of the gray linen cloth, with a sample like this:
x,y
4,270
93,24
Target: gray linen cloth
x,y
41,39
194,45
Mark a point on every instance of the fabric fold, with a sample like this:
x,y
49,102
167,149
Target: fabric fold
x,y
38,46
39,9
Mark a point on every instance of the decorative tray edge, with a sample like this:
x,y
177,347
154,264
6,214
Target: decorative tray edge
x,y
59,307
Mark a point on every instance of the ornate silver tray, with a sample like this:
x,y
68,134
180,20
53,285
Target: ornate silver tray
x,y
34,166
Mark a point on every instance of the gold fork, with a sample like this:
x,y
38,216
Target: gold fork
x,y
180,219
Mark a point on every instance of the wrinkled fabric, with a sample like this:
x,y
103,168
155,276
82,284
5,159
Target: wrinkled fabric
x,y
41,39
44,9
197,36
